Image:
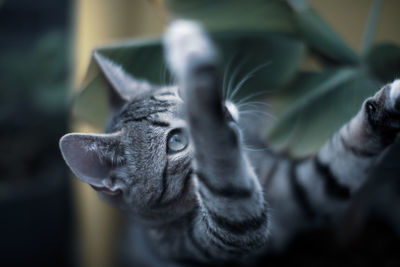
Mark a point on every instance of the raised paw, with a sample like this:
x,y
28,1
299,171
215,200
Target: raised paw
x,y
192,58
186,47
383,109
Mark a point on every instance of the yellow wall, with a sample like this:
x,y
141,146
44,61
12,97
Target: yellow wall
x,y
348,18
99,22
96,23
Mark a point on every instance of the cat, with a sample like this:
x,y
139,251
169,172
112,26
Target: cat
x,y
174,159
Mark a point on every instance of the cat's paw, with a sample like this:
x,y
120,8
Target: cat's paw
x,y
187,46
383,109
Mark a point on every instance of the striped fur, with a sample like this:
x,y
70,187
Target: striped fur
x,y
213,200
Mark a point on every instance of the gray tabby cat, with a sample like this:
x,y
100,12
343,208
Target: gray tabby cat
x,y
174,159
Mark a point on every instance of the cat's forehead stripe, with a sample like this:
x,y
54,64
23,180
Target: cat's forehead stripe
x,y
145,109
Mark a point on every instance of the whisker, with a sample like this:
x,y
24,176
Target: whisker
x,y
239,85
225,77
255,104
258,113
171,78
244,99
166,78
248,111
264,93
165,75
233,77
246,78
246,147
252,110
161,78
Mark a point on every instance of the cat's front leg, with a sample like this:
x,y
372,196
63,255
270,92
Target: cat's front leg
x,y
377,124
324,184
232,218
352,151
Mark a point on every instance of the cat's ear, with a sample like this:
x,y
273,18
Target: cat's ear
x,y
122,87
92,157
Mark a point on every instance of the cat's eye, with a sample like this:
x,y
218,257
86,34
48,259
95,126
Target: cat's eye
x,y
177,141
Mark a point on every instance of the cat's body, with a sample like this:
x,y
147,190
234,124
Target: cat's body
x,y
174,159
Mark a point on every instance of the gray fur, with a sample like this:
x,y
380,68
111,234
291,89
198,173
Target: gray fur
x,y
215,200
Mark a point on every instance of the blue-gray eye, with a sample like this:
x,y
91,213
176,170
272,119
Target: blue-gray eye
x,y
177,141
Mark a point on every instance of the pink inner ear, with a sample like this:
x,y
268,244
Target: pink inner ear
x,y
82,156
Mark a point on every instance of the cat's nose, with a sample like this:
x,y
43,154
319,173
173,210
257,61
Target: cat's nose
x,y
395,95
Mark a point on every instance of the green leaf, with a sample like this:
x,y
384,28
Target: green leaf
x,y
330,99
273,64
281,56
319,35
384,61
238,15
370,27
91,104
141,58
302,85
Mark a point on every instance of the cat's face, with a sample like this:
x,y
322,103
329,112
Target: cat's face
x,y
143,163
156,153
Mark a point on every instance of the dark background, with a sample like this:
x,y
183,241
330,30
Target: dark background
x,y
35,200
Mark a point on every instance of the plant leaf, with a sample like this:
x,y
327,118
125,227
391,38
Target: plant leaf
x,y
91,104
370,27
319,35
144,60
384,61
238,15
277,58
330,99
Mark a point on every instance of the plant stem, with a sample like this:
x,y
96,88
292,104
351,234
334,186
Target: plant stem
x,y
370,27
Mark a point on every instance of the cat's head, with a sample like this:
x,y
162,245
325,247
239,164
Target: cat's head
x,y
143,162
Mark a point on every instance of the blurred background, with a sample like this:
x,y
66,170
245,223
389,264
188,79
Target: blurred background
x,y
326,56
